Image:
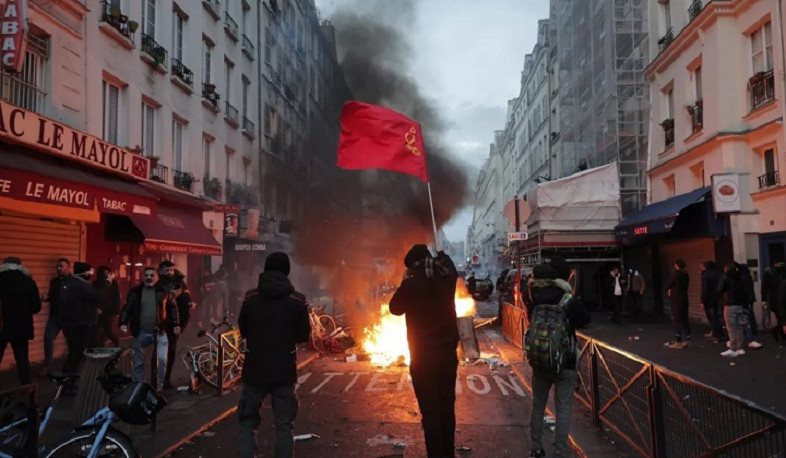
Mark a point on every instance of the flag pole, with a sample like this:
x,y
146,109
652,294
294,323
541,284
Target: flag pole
x,y
433,220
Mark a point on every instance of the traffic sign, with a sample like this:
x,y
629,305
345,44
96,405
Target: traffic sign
x,y
517,236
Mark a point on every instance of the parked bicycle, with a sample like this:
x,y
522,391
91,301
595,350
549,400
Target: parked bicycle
x,y
324,331
135,403
203,359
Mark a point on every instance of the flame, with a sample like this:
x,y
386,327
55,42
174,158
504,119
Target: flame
x,y
386,341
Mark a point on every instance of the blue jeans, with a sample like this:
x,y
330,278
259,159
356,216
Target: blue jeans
x,y
736,324
285,407
564,385
143,340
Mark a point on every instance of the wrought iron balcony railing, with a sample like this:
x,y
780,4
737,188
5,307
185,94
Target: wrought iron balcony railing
x,y
666,39
210,94
762,88
231,113
248,126
114,16
181,71
694,9
159,173
696,112
182,180
230,26
248,47
769,179
154,50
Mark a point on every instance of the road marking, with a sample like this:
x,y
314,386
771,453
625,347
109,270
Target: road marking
x,y
374,380
471,384
328,377
354,380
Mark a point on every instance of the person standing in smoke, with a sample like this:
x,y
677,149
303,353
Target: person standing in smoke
x,y
426,297
172,282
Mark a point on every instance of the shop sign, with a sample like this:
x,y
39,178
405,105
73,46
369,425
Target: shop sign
x,y
249,246
155,246
13,35
21,185
18,125
226,208
726,193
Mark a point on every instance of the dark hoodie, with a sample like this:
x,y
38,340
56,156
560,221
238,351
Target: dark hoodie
x,y
177,284
273,318
20,301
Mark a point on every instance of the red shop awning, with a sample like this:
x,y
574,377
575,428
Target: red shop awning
x,y
177,229
26,177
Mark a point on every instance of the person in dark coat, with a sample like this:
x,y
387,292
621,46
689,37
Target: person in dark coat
x,y
273,318
548,286
55,295
750,299
710,302
426,297
78,314
616,283
678,293
20,301
769,298
108,306
149,311
172,281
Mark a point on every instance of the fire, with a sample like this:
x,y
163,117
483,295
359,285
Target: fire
x,y
386,341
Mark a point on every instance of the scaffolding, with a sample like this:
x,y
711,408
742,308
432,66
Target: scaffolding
x,y
602,49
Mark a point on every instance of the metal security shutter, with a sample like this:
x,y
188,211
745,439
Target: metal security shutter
x,y
694,252
39,244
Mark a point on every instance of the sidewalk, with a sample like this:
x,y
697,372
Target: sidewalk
x,y
185,416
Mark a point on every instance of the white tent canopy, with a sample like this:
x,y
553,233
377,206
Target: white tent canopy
x,y
585,201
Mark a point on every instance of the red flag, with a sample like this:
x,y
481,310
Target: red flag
x,y
374,137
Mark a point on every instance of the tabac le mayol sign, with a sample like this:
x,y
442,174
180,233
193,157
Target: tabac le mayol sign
x,y
18,125
13,34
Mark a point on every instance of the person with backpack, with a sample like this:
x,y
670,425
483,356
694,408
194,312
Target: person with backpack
x,y
551,350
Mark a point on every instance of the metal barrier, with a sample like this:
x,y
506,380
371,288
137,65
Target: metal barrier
x,y
661,413
229,346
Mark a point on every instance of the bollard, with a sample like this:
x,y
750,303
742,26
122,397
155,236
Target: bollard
x,y
469,340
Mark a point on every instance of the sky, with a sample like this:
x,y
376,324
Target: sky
x,y
467,57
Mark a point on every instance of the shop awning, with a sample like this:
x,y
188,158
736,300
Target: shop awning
x,y
177,229
46,180
658,218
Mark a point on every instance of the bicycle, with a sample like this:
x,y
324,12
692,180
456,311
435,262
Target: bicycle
x,y
323,330
135,403
203,359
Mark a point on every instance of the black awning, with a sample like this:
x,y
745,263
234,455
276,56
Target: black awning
x,y
658,218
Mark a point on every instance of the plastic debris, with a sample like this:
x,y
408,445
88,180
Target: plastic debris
x,y
351,358
183,388
208,434
305,437
632,338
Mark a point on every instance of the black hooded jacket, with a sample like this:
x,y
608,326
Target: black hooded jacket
x,y
273,318
177,283
428,301
20,301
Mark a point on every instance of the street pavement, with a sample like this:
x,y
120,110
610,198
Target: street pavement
x,y
190,423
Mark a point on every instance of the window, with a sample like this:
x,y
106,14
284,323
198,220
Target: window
x,y
228,79
769,161
207,57
111,96
246,86
697,82
177,144
761,48
207,146
667,15
177,35
230,152
149,18
670,104
148,129
26,89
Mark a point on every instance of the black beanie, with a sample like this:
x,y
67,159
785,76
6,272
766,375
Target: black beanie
x,y
277,262
81,268
12,260
415,254
560,265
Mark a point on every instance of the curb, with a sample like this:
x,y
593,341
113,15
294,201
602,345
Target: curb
x,y
209,424
521,374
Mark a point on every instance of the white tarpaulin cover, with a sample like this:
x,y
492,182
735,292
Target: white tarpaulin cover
x,y
585,201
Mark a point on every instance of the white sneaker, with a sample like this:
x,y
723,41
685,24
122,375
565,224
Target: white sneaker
x,y
740,352
753,345
729,353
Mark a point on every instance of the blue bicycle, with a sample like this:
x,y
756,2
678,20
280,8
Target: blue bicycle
x,y
135,403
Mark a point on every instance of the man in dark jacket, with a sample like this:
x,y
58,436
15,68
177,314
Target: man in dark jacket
x,y
55,295
149,310
273,318
427,298
20,301
710,302
172,281
769,298
78,314
108,306
678,293
548,286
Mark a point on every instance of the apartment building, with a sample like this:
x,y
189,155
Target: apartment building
x,y
717,138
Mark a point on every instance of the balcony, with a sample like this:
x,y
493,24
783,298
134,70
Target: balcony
x,y
666,39
248,47
159,172
668,132
762,89
230,26
248,127
113,16
184,73
694,9
182,180
231,114
213,7
156,52
212,187
209,93
769,179
696,112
